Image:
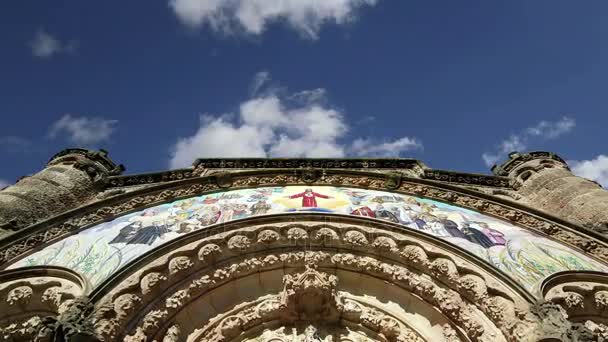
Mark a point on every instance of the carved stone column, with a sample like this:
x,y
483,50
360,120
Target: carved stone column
x,y
546,183
71,178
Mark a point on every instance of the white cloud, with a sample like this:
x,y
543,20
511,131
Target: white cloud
x,y
83,131
384,149
44,45
273,126
253,16
594,169
544,130
551,130
4,184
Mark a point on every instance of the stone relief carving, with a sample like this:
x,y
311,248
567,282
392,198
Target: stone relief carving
x,y
581,300
32,300
19,295
455,288
121,204
21,329
309,296
467,288
73,322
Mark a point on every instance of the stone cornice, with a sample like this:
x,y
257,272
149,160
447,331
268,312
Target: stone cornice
x,y
409,167
321,163
464,178
27,240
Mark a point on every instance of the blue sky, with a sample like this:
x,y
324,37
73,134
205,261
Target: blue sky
x,y
456,84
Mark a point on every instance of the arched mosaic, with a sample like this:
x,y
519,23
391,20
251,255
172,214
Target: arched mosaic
x,y
101,250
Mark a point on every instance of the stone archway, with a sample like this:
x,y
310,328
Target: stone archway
x,y
36,300
312,306
406,286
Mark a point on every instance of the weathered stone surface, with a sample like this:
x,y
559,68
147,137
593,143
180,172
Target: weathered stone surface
x,y
324,280
72,178
546,183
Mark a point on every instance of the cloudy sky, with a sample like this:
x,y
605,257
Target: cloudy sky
x,y
456,84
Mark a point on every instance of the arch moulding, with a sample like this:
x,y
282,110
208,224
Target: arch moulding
x,y
25,241
256,278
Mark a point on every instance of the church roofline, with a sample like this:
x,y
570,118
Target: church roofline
x,y
403,166
335,163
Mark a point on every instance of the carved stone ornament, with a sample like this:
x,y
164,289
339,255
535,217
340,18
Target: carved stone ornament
x,y
34,237
582,298
309,176
310,296
310,303
223,179
474,301
309,266
37,298
73,322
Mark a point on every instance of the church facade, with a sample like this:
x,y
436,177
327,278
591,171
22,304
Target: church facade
x,y
287,250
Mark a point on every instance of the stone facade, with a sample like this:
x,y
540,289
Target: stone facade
x,y
545,182
301,276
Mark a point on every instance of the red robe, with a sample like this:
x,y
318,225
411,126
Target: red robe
x,y
308,199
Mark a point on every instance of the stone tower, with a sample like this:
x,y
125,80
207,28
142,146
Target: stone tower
x,y
546,183
303,250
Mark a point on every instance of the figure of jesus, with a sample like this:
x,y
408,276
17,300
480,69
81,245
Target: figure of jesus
x,y
309,198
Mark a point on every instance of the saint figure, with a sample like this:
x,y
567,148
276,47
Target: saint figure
x,y
385,214
309,198
142,230
260,208
496,236
450,226
476,236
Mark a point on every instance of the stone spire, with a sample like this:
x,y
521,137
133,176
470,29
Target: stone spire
x,y
71,178
545,182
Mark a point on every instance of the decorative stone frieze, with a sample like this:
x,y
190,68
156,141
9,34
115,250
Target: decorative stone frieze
x,y
36,236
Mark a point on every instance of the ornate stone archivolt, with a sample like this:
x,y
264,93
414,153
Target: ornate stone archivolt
x,y
35,237
311,302
472,301
31,296
580,302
